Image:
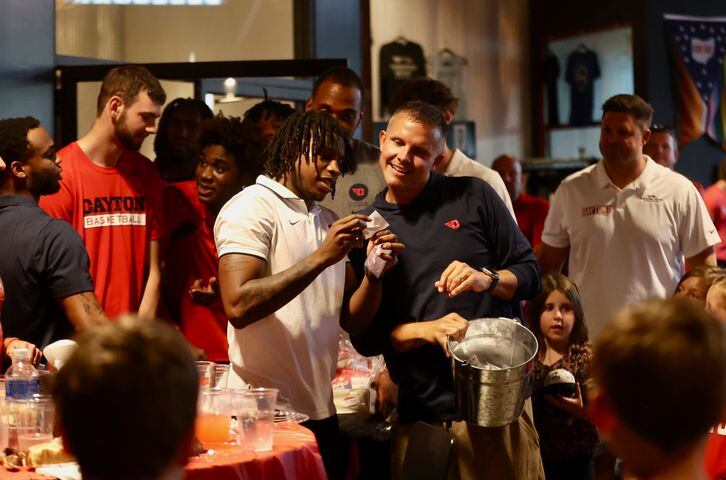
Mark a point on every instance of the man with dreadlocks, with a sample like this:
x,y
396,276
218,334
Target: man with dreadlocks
x,y
267,117
283,285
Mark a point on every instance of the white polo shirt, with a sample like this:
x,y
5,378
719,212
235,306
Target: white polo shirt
x,y
628,245
463,166
295,349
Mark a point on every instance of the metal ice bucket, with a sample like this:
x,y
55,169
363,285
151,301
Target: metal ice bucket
x,y
492,368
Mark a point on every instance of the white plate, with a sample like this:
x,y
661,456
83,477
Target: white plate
x,y
290,417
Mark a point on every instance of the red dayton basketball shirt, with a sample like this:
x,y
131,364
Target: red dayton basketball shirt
x,y
115,210
190,254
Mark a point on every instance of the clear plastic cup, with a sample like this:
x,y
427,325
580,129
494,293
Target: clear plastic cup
x,y
34,421
255,410
214,415
221,372
206,374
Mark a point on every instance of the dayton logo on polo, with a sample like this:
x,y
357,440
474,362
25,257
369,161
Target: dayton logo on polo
x,y
453,224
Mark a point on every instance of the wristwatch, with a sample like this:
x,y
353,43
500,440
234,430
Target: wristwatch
x,y
494,276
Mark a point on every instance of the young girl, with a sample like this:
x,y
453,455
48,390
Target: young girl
x,y
694,284
567,440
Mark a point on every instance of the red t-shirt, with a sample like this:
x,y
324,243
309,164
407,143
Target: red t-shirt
x,y
531,213
716,452
115,210
715,199
190,254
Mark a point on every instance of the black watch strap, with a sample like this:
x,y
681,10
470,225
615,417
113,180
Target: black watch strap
x,y
494,276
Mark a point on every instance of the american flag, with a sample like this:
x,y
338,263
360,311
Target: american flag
x,y
699,47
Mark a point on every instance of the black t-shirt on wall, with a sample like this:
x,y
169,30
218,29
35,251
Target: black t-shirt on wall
x,y
454,218
399,61
583,68
43,260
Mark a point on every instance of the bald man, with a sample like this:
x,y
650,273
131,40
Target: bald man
x,y
530,211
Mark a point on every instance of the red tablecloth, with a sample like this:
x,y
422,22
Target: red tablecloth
x,y
294,455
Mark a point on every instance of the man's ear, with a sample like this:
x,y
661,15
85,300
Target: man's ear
x,y
646,135
2,164
381,138
309,104
448,117
115,106
360,119
17,169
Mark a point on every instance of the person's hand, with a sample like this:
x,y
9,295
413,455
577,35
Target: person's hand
x,y
459,277
15,343
573,406
436,331
343,235
387,240
198,353
386,393
204,294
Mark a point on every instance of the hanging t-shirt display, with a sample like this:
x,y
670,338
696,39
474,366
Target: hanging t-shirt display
x,y
448,69
550,74
582,70
399,61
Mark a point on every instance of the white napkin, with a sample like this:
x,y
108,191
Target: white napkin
x,y
57,353
62,471
376,224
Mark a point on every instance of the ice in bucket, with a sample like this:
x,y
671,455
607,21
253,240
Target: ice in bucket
x,y
255,418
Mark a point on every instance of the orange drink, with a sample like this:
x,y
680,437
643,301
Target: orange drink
x,y
212,428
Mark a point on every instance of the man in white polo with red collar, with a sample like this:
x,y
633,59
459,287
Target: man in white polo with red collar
x,y
627,225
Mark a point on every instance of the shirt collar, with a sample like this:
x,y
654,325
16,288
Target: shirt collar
x,y
285,193
650,172
13,200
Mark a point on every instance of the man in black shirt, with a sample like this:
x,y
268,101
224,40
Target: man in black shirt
x,y
44,265
452,228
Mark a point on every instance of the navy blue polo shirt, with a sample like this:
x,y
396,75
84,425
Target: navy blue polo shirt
x,y
42,261
454,218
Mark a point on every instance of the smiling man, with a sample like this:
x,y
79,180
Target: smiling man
x,y
231,159
627,224
111,194
44,266
284,286
465,258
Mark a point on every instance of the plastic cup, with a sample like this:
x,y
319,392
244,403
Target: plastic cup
x,y
206,374
255,418
221,372
34,421
4,423
213,417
